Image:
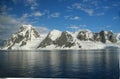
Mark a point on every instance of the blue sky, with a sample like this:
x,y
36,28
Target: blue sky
x,y
63,15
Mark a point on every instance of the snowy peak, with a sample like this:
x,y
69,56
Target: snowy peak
x,y
54,34
26,26
26,33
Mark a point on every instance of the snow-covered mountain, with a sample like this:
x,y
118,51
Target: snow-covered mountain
x,y
28,38
84,39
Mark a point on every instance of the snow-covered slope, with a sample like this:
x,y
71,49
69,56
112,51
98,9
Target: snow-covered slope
x,y
54,34
26,38
118,37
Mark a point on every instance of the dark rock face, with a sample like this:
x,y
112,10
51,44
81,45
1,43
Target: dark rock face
x,y
23,43
111,37
64,40
36,34
108,36
20,37
97,37
81,35
100,37
47,41
85,35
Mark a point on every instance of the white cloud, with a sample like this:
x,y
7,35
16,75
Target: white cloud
x,y
72,17
7,20
66,17
106,7
75,18
95,3
77,27
55,15
25,17
77,5
8,25
89,11
82,7
38,14
32,3
42,29
68,7
83,26
108,26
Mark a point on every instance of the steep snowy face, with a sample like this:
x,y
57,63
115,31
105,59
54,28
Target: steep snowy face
x,y
57,39
28,31
50,38
54,34
118,37
25,33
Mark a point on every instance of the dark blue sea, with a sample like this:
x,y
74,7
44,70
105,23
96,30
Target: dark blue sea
x,y
82,64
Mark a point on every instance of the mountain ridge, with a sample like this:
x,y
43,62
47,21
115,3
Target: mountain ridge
x,y
28,38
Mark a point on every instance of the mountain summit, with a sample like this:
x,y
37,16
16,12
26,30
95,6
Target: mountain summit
x,y
21,38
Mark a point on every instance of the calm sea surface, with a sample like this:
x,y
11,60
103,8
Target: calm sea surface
x,y
83,64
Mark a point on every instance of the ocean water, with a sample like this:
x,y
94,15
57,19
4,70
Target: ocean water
x,y
82,64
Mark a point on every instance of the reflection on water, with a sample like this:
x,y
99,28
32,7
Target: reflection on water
x,y
95,64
